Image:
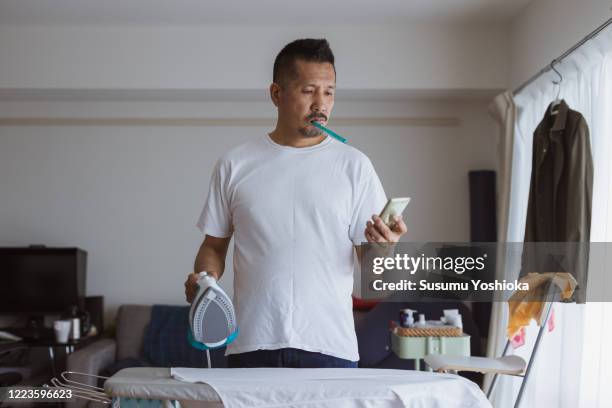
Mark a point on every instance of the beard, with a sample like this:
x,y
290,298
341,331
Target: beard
x,y
310,131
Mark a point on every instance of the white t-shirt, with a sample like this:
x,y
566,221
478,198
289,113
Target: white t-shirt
x,y
295,214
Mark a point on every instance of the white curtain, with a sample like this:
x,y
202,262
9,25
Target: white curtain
x,y
573,365
503,110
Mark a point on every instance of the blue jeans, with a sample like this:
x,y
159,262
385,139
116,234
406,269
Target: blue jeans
x,y
287,357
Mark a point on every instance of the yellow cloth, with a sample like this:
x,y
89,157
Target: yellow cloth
x,y
525,305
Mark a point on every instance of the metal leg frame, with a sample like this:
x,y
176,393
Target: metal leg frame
x,y
533,354
529,364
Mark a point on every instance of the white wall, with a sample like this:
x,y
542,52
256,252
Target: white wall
x,y
411,56
547,28
130,196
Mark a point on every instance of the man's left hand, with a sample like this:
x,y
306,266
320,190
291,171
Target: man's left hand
x,y
377,231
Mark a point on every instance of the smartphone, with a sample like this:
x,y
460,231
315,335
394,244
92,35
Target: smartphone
x,y
395,206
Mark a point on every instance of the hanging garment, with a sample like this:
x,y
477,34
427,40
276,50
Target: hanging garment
x,y
528,305
560,193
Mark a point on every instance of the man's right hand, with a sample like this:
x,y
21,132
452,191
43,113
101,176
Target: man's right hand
x,y
210,258
191,286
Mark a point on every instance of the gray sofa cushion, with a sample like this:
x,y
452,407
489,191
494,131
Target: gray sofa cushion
x,y
132,320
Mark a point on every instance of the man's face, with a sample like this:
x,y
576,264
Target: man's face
x,y
309,96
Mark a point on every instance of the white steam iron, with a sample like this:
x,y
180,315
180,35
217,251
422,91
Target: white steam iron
x,y
212,319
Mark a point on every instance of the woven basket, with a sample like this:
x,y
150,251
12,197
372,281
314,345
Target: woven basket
x,y
447,331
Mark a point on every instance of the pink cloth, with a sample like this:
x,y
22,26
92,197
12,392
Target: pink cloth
x,y
519,339
551,320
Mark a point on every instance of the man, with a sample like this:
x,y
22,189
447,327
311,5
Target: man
x,y
297,203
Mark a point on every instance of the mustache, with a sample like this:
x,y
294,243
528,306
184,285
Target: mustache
x,y
317,116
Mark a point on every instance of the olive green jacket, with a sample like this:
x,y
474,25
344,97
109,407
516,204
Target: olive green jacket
x,y
560,194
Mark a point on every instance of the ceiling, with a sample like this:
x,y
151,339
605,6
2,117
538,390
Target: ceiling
x,y
256,12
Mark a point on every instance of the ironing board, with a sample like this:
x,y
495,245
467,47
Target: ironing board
x,y
154,387
151,383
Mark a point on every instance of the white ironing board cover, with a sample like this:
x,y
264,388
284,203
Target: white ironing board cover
x,y
318,387
512,365
336,387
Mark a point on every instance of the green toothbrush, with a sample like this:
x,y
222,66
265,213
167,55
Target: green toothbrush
x,y
329,132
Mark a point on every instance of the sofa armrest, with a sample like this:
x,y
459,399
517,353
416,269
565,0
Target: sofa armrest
x,y
91,359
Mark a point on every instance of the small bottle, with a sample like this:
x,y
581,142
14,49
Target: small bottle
x,y
75,329
72,315
421,322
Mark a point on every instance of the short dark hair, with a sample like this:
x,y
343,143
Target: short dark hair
x,y
307,49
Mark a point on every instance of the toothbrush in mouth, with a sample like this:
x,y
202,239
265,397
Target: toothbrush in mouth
x,y
328,131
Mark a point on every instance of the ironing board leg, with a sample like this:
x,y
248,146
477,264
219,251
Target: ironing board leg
x,y
494,380
533,354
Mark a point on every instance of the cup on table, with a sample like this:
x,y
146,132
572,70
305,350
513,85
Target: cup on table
x,y
62,330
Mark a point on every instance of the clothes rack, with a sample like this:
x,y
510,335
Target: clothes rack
x,y
579,44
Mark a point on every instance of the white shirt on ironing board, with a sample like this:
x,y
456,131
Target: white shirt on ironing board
x,y
295,215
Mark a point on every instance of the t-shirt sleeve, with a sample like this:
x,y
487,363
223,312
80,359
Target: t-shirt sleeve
x,y
216,219
370,198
